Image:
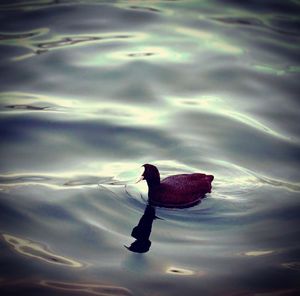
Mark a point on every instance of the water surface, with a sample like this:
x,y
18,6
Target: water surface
x,y
91,90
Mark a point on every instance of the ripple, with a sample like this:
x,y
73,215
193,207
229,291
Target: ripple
x,y
151,53
66,41
179,271
217,105
34,102
265,22
209,40
141,54
233,176
151,9
94,289
88,180
29,5
245,21
269,69
107,111
16,38
11,182
294,187
27,40
26,107
114,173
258,253
144,7
61,180
292,265
38,251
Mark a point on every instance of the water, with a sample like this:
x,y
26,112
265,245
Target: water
x,y
91,90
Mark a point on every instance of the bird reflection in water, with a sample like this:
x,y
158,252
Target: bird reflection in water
x,y
142,231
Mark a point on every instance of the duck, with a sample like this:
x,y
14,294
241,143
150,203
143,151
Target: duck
x,y
176,191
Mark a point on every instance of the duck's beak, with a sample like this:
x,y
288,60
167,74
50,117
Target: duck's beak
x,y
141,178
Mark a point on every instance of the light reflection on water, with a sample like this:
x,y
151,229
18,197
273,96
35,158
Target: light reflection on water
x,y
92,90
35,250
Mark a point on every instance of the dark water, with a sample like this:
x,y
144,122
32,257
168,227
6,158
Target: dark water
x,y
91,90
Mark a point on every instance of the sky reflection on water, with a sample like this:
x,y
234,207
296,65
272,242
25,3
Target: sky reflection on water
x,y
91,90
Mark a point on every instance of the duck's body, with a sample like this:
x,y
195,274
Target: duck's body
x,y
182,190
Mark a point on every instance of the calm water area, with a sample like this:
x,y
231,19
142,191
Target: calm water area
x,y
92,90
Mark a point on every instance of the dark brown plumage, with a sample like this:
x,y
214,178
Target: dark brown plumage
x,y
182,190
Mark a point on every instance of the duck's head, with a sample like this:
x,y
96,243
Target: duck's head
x,y
150,174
